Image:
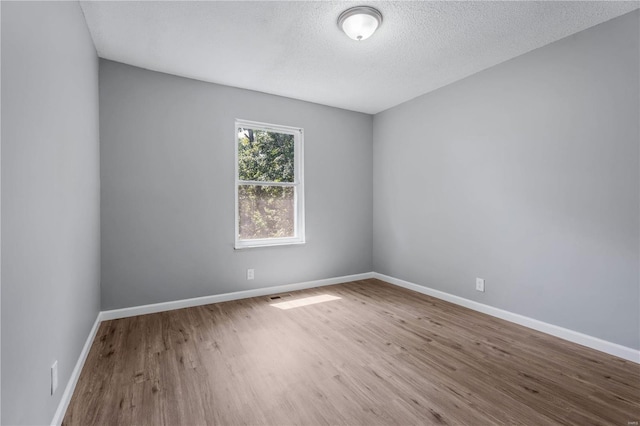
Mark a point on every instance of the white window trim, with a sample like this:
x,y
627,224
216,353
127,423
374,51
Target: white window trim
x,y
298,183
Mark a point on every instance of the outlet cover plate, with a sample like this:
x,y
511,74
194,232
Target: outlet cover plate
x,y
480,284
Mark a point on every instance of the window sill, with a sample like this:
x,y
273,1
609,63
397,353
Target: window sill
x,y
268,243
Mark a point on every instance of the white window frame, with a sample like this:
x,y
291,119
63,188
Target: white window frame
x,y
297,184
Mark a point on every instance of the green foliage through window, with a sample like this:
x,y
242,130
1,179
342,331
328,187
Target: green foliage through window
x,y
267,209
265,156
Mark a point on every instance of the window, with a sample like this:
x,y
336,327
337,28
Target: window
x,y
269,185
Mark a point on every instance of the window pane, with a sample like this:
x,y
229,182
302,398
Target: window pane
x,y
265,211
265,156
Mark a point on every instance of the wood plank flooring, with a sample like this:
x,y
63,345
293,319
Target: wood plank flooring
x,y
380,355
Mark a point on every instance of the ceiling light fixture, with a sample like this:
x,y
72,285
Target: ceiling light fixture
x,y
360,22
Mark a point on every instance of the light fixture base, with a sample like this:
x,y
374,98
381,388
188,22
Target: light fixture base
x,y
360,22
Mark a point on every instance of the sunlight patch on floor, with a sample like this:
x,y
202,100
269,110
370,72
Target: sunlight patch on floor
x,y
305,301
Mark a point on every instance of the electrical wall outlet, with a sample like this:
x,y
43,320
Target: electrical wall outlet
x,y
480,284
250,274
54,377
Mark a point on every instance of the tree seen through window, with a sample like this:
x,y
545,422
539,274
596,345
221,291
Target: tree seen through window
x,y
266,184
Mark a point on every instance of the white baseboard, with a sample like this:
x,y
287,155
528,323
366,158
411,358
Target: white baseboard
x,y
554,330
75,375
205,300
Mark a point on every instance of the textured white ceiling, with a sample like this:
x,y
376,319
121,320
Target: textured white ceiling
x,y
296,49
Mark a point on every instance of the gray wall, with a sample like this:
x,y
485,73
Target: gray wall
x,y
527,175
50,202
167,173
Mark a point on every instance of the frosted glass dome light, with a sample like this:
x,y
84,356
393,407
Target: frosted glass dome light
x,y
359,23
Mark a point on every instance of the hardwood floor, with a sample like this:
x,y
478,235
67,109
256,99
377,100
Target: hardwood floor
x,y
379,355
